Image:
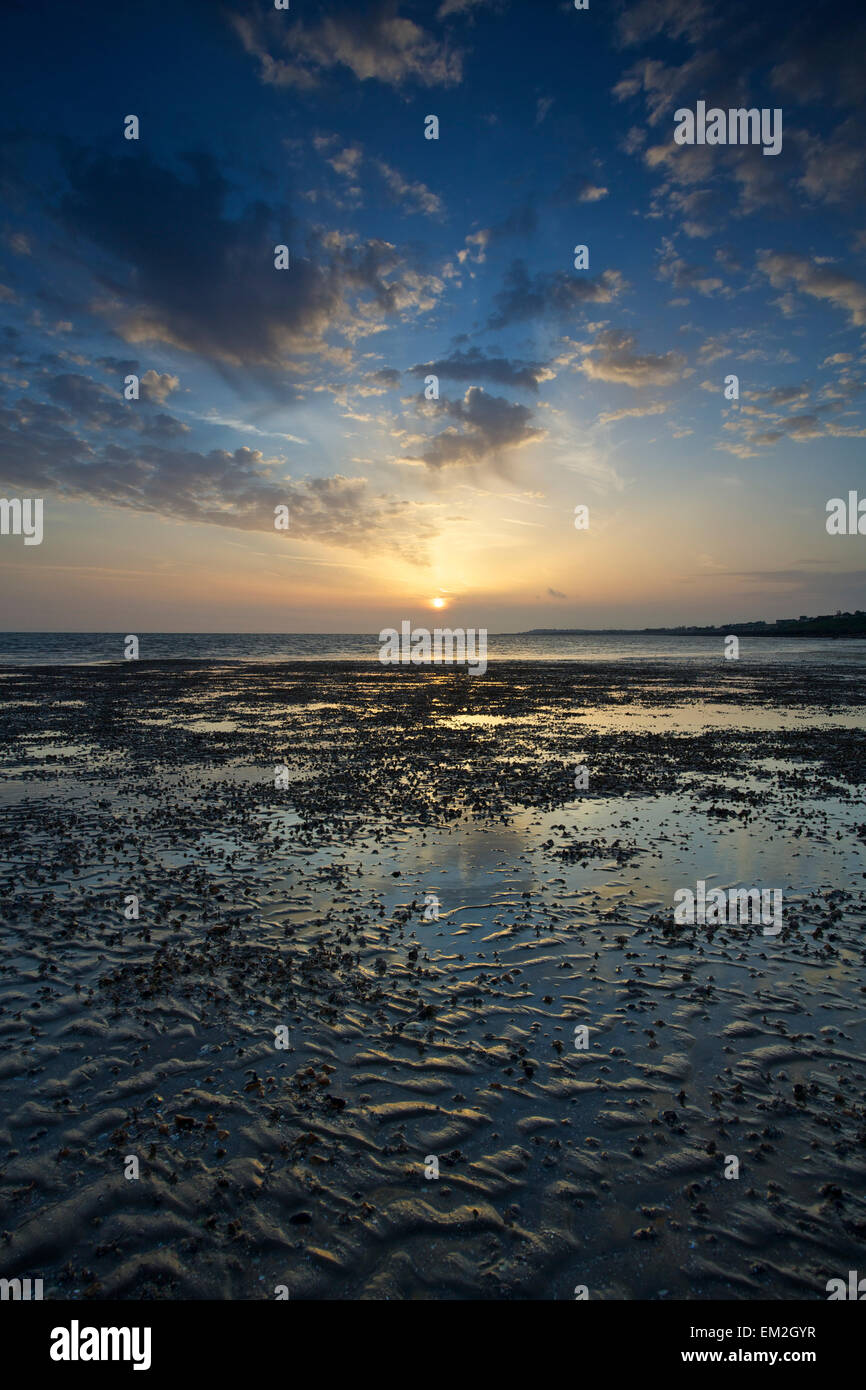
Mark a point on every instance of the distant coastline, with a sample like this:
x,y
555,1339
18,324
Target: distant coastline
x,y
830,625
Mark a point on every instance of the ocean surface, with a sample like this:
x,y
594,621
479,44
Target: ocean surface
x,y
87,648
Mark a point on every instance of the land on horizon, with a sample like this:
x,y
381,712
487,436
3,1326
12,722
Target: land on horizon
x,y
829,625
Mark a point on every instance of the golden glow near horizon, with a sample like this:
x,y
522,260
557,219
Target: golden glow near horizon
x,y
485,570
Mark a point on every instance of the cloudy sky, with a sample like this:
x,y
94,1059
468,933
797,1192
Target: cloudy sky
x,y
412,257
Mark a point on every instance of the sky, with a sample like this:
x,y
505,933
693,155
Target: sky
x,y
308,388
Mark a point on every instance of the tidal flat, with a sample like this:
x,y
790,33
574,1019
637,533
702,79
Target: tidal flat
x,y
395,872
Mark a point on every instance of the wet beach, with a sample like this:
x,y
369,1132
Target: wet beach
x,y
396,867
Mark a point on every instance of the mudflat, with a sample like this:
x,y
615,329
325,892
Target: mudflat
x,y
298,937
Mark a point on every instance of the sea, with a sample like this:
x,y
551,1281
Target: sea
x,y
97,648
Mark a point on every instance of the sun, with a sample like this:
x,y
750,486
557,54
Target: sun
x,y
438,602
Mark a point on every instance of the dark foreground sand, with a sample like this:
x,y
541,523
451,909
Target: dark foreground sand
x,y
303,906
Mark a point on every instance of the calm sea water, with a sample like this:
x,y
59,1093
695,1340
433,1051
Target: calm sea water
x,y
84,648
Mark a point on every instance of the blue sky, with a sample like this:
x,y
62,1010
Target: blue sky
x,y
557,387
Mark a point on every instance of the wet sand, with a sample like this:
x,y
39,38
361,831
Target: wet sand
x,y
303,906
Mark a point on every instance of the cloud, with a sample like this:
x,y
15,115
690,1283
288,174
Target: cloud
x,y
163,427
413,197
823,63
740,451
802,427
469,366
612,358
238,489
552,294
684,276
761,183
733,345
474,248
780,395
522,222
591,193
609,416
92,403
348,161
821,282
373,41
156,387
450,7
378,383
554,593
20,243
662,86
684,164
576,187
175,268
76,401
634,140
846,431
761,429
762,188
678,19
491,426
835,169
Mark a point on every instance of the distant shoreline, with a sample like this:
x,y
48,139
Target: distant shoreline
x,y
829,625
735,630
